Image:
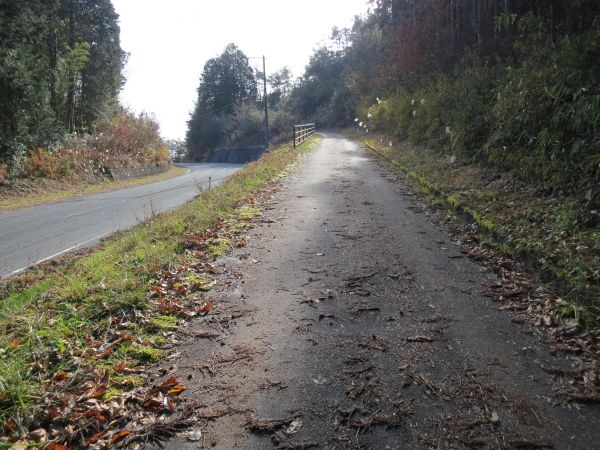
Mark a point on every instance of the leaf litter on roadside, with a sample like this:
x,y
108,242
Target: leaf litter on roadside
x,y
531,302
99,399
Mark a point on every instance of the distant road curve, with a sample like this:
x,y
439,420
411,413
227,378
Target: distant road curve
x,y
33,235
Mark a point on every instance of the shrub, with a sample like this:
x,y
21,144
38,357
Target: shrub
x,y
3,173
538,119
547,114
130,139
250,126
47,164
447,113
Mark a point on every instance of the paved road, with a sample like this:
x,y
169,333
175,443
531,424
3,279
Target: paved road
x,y
32,235
360,323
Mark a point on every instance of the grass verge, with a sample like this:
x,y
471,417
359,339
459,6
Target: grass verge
x,y
543,231
98,311
66,191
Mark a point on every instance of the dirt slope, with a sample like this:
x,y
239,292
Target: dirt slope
x,y
358,323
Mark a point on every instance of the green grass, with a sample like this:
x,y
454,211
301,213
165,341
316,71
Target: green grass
x,y
541,230
47,318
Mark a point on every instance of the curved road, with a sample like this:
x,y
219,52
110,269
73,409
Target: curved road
x,y
30,236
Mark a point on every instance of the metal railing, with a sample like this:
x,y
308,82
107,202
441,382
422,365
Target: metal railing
x,y
303,132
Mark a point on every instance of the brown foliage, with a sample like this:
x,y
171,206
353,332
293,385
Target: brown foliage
x,y
46,164
125,141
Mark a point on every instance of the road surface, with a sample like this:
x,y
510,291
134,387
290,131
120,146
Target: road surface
x,y
30,236
359,323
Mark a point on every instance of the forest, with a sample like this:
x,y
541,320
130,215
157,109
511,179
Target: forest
x,y
511,84
60,75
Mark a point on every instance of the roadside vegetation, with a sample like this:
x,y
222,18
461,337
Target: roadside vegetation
x,y
539,230
124,141
76,337
60,121
36,191
493,107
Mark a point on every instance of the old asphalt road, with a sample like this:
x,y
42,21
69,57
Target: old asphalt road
x,y
357,324
32,235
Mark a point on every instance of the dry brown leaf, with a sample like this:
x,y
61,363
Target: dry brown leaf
x,y
56,446
176,389
206,308
99,391
120,435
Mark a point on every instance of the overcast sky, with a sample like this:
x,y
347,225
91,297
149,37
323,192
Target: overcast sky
x,y
170,40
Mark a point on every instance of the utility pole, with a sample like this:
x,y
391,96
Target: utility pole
x,y
266,105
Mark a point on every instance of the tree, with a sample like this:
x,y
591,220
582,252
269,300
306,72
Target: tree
x,y
26,115
281,85
101,79
227,82
177,149
319,83
60,70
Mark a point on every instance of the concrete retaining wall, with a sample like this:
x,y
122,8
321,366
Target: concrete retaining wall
x,y
235,155
137,172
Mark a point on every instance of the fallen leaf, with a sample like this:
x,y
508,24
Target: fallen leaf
x,y
169,405
56,446
176,389
120,435
104,353
61,375
99,391
95,437
169,383
206,308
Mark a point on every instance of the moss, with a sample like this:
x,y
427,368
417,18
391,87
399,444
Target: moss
x,y
248,212
159,341
163,322
112,392
202,284
217,247
141,354
126,381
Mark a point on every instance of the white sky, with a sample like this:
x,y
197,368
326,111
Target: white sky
x,y
170,40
